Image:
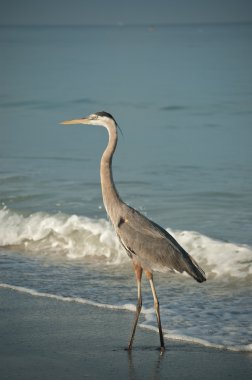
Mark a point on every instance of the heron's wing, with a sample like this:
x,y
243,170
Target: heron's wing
x,y
151,230
152,246
149,242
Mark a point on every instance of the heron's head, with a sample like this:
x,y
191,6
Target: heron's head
x,y
99,118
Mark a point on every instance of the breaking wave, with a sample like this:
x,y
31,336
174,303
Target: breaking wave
x,y
72,237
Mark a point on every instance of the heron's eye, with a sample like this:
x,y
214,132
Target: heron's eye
x,y
93,117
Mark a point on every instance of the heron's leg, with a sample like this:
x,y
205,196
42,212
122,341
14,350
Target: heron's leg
x,y
138,273
156,306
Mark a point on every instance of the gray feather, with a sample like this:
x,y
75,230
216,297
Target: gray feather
x,y
152,246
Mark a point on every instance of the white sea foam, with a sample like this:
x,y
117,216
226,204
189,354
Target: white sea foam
x,y
63,236
76,237
221,258
148,313
83,301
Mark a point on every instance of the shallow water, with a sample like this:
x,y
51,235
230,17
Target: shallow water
x,y
182,96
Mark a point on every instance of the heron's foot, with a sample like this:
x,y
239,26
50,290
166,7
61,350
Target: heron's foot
x,y
129,348
162,350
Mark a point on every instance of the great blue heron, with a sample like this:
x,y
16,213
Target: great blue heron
x,y
148,245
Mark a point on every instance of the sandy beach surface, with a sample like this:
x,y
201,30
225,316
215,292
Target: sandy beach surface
x,y
43,338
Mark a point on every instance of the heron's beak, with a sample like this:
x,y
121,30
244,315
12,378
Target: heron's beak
x,y
76,121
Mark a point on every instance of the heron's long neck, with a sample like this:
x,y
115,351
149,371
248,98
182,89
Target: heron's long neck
x,y
109,193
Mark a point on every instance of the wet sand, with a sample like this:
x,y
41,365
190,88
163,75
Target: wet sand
x,y
44,338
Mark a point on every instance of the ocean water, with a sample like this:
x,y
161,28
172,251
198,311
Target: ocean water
x,y
182,96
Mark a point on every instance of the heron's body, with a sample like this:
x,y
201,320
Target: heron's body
x,y
150,247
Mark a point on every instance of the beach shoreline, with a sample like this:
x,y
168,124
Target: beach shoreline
x,y
43,338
